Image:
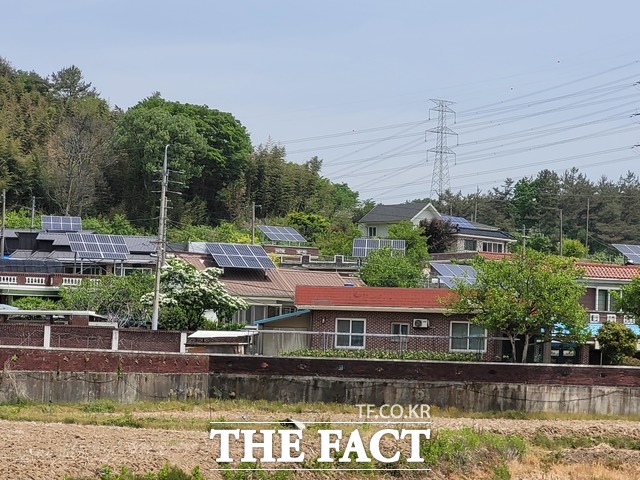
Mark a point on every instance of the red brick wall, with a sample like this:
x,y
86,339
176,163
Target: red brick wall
x,y
21,335
149,341
589,299
21,359
71,336
380,323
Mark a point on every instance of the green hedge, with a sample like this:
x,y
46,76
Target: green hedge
x,y
384,354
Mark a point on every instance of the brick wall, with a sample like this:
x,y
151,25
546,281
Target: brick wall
x,y
381,323
21,335
23,359
71,336
589,299
149,341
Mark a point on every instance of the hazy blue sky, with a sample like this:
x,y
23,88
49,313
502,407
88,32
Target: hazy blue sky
x,y
536,84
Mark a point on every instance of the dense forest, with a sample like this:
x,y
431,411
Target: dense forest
x,y
63,145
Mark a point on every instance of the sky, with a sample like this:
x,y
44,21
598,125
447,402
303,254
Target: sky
x,y
534,85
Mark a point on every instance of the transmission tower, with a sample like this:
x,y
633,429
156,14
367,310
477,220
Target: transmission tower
x,y
440,177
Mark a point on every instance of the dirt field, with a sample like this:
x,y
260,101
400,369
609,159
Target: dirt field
x,y
42,451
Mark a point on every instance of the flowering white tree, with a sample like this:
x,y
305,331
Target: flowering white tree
x,y
186,293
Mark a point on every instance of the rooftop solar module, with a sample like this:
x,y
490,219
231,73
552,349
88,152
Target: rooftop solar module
x,y
86,245
631,252
52,223
449,273
238,255
282,234
362,246
459,221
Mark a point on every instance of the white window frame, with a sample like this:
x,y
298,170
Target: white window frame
x,y
609,299
372,231
396,337
119,270
351,334
492,247
472,242
469,338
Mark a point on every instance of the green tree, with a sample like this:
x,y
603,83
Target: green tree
x,y
35,303
186,293
617,341
627,300
526,296
310,225
389,268
539,242
69,83
415,241
114,296
573,248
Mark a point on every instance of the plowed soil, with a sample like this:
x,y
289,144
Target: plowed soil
x,y
44,451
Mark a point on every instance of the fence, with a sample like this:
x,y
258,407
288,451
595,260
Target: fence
x,y
282,342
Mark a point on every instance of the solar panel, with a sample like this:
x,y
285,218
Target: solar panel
x,y
363,246
449,273
86,245
459,221
281,234
238,255
52,223
632,252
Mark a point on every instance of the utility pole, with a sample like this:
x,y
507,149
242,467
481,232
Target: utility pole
x,y
440,178
4,217
475,208
33,212
253,222
162,240
524,239
586,235
560,232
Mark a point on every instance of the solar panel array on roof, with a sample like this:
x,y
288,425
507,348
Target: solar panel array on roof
x,y
284,234
459,221
632,252
449,273
362,246
95,246
238,255
52,223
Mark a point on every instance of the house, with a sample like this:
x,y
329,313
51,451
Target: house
x,y
469,236
358,318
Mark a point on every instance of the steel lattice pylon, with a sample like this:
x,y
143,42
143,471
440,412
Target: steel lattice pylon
x,y
440,178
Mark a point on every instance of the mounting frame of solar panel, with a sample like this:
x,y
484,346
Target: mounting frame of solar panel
x,y
240,255
362,246
53,223
98,247
280,233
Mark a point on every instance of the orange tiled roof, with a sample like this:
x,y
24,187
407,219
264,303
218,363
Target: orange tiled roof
x,y
494,256
609,271
370,297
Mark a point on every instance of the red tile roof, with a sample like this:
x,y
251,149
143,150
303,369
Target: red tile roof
x,y
609,271
494,256
372,297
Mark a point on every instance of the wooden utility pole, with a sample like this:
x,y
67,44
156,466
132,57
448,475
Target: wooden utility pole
x,y
586,235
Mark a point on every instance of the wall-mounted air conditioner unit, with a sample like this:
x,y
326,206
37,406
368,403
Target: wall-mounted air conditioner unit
x,y
628,320
594,318
611,317
421,323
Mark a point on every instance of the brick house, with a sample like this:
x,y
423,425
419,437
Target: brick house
x,y
391,318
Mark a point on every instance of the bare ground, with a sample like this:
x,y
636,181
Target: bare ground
x,y
39,451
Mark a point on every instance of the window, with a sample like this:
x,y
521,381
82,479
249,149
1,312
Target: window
x,y
118,270
604,300
471,245
350,333
372,231
492,247
400,329
466,337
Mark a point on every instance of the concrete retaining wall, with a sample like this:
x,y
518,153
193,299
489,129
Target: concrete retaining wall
x,y
60,387
464,396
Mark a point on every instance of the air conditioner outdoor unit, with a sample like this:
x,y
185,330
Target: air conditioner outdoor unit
x,y
611,317
421,323
594,318
628,320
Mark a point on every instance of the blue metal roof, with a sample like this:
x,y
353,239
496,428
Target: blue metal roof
x,y
595,328
280,317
